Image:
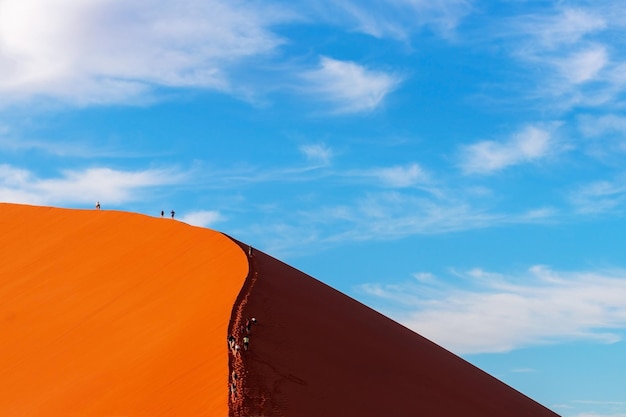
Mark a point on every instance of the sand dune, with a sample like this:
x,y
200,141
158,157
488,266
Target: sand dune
x,y
111,314
316,352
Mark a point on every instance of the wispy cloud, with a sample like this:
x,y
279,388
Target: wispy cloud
x,y
572,54
394,214
81,187
592,126
605,404
583,66
203,218
596,402
399,176
601,408
348,86
318,153
563,28
499,313
397,19
603,137
528,145
69,149
388,215
67,50
599,196
601,415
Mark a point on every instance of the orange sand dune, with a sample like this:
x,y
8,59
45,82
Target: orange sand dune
x,y
318,353
110,314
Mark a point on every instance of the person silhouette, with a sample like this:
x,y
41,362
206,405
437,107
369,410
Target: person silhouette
x,y
173,212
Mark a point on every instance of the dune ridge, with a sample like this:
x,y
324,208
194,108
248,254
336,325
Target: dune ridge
x,y
112,314
239,328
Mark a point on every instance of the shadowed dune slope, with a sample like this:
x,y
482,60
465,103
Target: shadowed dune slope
x,y
111,314
318,353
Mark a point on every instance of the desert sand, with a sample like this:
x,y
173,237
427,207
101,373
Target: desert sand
x,y
112,314
316,352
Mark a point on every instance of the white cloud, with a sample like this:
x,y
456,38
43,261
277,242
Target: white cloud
x,y
570,55
616,75
396,19
401,176
425,277
599,196
203,218
539,214
530,144
83,187
501,313
350,87
598,126
318,153
105,51
596,402
605,134
583,66
565,28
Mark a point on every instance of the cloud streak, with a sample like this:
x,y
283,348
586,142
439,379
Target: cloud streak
x,y
396,19
318,153
348,86
397,176
564,28
383,216
401,176
499,313
528,145
572,56
81,187
602,196
583,66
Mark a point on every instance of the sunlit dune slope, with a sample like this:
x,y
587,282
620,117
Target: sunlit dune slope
x,y
111,314
318,353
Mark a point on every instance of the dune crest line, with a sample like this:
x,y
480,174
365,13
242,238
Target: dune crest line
x,y
242,401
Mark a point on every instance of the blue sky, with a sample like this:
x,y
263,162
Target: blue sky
x,y
457,165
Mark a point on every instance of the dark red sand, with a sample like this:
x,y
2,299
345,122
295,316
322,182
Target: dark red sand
x,y
316,352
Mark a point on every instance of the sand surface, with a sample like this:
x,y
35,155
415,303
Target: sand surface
x,y
316,352
110,314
